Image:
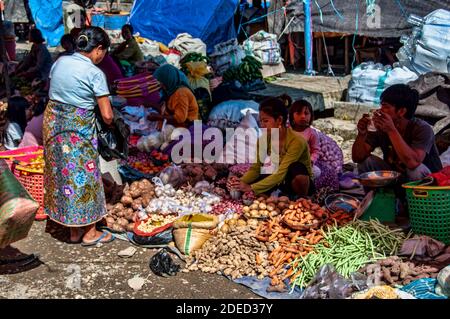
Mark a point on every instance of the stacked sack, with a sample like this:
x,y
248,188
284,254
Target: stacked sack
x,y
226,55
427,49
264,47
369,80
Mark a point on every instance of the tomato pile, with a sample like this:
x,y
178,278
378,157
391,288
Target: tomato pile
x,y
152,163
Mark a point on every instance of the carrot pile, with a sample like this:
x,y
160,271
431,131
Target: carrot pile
x,y
289,243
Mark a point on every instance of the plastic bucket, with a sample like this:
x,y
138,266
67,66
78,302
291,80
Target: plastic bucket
x,y
98,20
115,21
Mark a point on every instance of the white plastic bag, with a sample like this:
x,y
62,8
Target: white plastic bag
x,y
173,59
185,43
146,143
150,48
230,113
234,154
172,175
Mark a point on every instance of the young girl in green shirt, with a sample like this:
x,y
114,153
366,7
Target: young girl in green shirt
x,y
293,174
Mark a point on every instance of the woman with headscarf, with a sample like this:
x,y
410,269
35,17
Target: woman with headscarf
x,y
181,107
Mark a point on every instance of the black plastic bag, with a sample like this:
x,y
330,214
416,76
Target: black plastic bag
x,y
129,174
113,141
162,238
162,264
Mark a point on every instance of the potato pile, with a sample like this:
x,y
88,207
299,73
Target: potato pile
x,y
393,271
303,214
237,221
266,207
121,216
236,253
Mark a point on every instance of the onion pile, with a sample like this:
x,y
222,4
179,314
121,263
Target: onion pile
x,y
227,207
240,169
330,153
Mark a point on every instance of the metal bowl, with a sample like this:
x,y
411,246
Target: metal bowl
x,y
378,178
236,195
343,202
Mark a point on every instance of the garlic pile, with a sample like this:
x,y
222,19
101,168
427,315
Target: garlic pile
x,y
165,191
180,202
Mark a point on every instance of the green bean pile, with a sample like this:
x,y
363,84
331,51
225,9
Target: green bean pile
x,y
348,249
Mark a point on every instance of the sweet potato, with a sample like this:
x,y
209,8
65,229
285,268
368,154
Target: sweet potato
x,y
126,200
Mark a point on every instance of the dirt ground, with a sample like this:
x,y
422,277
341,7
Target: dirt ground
x,y
71,271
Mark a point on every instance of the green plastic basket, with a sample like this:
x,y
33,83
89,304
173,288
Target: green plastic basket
x,y
429,210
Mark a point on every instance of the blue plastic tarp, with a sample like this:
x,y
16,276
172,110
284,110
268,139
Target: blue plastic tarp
x,y
48,16
212,20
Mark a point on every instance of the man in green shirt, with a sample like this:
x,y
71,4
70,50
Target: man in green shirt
x,y
128,50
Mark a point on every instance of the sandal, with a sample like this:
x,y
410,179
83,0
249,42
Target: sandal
x,y
99,240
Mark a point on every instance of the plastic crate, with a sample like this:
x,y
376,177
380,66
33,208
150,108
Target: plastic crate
x,y
429,210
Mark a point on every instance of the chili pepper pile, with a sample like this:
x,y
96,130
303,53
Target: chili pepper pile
x,y
340,218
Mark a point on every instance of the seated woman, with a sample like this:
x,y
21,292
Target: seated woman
x,y
38,62
300,119
33,131
128,50
68,44
181,107
293,174
16,122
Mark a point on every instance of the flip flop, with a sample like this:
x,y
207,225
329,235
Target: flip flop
x,y
99,240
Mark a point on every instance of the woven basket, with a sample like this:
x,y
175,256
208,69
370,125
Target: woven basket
x,y
189,239
33,182
306,226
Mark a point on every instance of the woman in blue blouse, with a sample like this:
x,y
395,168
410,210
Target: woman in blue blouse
x,y
74,194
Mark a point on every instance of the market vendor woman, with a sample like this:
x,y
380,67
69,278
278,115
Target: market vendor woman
x,y
74,194
181,108
407,142
294,172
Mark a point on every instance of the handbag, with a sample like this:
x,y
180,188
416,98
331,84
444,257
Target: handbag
x,y
112,140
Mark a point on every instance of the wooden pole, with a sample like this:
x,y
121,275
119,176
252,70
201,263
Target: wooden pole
x,y
347,55
3,58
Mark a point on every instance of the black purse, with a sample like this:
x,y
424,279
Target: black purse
x,y
112,141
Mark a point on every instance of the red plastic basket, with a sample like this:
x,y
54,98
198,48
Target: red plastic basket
x,y
24,153
34,184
